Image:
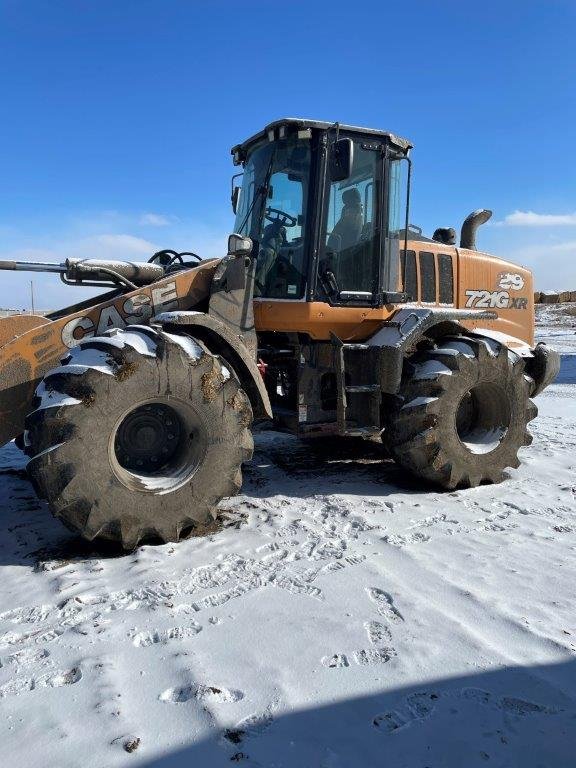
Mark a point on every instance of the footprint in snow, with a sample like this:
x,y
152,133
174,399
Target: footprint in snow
x,y
373,656
377,632
145,639
64,678
364,657
401,541
32,615
510,704
206,693
23,685
25,657
38,636
384,604
251,727
419,706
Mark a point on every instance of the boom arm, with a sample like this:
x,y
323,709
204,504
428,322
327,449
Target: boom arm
x,y
94,271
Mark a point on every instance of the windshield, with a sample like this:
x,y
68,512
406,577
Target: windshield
x,y
272,211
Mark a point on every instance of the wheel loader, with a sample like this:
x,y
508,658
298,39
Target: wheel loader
x,y
330,314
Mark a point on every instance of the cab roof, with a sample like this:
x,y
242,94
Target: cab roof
x,y
297,123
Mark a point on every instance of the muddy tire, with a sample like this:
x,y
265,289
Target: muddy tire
x,y
138,435
462,414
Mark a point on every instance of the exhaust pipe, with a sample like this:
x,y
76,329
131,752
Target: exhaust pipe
x,y
470,225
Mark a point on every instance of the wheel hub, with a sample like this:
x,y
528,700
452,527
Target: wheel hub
x,y
148,438
483,418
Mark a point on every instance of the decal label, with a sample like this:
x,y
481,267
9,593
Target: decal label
x,y
511,281
495,300
136,309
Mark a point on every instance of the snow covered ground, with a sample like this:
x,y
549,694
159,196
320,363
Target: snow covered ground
x,y
348,617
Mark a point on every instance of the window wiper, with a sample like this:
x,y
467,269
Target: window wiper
x,y
260,191
257,194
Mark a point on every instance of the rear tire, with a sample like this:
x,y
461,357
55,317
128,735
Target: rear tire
x,y
462,414
138,434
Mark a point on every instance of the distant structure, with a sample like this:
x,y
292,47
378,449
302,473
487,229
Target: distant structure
x,y
554,297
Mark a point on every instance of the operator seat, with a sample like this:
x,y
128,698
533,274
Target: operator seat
x,y
273,238
348,228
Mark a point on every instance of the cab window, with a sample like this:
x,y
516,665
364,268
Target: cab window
x,y
349,263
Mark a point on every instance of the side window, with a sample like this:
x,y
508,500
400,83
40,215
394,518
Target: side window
x,y
349,261
287,196
397,198
394,237
244,213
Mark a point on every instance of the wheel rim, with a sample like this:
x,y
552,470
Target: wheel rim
x,y
157,446
483,418
148,438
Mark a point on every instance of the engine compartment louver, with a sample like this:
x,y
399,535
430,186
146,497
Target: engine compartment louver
x,y
428,278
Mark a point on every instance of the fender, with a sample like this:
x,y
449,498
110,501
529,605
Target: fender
x,y
221,341
398,336
543,367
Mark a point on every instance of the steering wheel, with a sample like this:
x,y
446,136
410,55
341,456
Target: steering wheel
x,y
282,218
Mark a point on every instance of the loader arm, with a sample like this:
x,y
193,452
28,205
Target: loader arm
x,y
33,345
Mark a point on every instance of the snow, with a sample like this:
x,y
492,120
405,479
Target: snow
x,y
82,359
458,347
491,336
429,369
52,398
484,440
138,337
346,616
418,401
90,358
188,344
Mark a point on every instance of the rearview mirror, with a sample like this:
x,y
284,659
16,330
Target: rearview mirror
x,y
235,198
238,245
341,159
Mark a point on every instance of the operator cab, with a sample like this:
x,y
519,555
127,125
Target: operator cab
x,y
326,208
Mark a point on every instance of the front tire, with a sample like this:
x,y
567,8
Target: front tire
x,y
462,414
138,434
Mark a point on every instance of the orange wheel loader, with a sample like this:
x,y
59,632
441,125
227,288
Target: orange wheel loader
x,y
330,314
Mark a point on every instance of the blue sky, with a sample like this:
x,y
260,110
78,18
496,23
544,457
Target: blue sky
x,y
118,118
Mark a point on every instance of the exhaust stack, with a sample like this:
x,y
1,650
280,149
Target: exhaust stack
x,y
470,225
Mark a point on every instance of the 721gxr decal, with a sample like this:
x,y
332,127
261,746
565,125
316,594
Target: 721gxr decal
x,y
494,300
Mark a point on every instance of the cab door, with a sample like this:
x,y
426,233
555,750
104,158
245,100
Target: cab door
x,y
350,236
